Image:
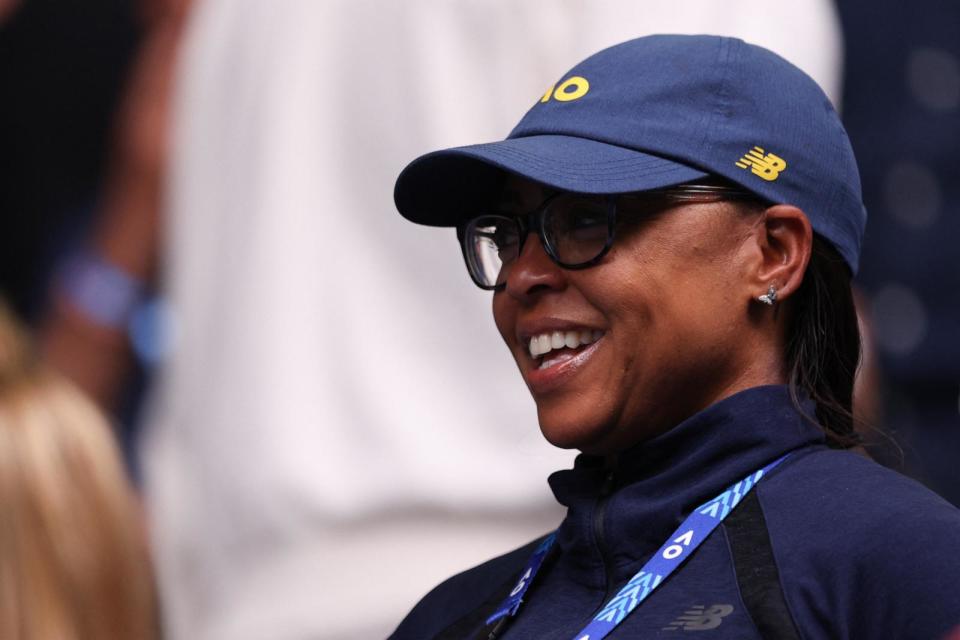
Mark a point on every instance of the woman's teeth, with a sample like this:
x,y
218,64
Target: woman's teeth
x,y
546,342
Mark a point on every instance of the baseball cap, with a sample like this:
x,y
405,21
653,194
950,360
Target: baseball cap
x,y
655,112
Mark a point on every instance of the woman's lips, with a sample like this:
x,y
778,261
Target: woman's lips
x,y
561,366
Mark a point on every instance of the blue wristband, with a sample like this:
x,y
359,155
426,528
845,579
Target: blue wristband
x,y
102,291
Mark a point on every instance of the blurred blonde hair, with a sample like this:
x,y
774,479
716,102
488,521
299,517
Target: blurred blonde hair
x,y
73,556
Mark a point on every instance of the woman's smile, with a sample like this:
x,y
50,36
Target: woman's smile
x,y
550,370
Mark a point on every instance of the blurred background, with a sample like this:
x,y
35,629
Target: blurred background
x,y
309,393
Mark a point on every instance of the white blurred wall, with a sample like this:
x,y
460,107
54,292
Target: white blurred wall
x,y
339,427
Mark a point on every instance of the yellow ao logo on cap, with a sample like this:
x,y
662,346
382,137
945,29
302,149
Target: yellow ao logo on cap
x,y
569,89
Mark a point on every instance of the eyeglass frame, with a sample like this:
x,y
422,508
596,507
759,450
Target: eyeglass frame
x,y
692,193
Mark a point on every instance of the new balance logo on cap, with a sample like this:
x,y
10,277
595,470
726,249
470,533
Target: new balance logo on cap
x,y
767,166
700,618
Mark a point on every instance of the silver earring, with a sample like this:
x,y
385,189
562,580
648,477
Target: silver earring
x,y
769,297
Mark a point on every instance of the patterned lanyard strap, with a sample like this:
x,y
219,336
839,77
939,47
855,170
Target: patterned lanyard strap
x,y
679,546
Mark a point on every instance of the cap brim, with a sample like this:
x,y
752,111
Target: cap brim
x,y
445,187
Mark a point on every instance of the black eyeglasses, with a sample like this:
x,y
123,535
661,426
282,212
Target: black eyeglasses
x,y
576,230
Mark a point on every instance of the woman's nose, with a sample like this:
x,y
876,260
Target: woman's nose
x,y
533,271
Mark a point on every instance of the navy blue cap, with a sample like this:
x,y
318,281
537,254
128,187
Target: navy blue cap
x,y
659,111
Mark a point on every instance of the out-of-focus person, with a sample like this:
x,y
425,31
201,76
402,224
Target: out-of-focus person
x,y
100,324
311,467
73,554
6,8
61,68
902,110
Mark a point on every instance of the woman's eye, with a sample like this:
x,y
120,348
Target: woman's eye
x,y
586,225
588,221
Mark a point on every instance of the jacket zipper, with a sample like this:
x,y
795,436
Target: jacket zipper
x,y
605,490
599,535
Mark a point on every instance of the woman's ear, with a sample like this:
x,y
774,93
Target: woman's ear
x,y
784,238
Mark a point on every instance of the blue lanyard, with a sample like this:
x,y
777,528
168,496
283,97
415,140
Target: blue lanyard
x,y
679,546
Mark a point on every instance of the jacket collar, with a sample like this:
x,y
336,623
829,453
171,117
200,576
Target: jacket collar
x,y
656,484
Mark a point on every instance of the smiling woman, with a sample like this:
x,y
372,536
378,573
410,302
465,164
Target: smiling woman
x,y
670,250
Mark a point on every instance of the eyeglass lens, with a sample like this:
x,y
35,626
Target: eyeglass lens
x,y
574,230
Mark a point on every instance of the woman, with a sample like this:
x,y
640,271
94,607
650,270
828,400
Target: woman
x,y
670,234
73,553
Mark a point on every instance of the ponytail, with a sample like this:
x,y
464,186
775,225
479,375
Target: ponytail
x,y
823,344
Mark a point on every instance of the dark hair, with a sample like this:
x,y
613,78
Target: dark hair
x,y
823,344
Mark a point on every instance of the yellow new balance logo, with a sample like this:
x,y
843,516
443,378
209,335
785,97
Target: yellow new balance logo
x,y
765,165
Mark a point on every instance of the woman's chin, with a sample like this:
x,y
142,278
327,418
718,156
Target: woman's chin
x,y
571,433
592,432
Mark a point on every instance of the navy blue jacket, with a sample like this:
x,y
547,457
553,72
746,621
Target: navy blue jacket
x,y
837,546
